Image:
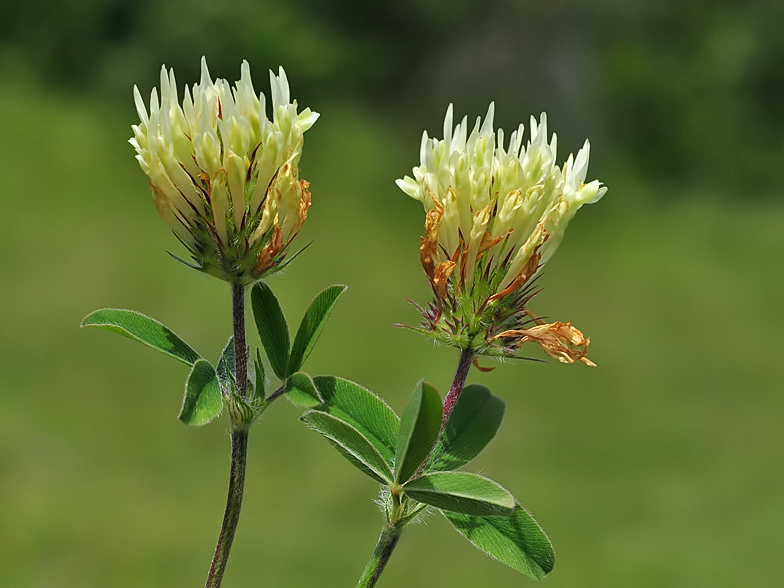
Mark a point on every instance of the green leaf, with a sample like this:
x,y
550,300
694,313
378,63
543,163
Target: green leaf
x,y
227,366
419,428
351,443
203,399
516,540
272,327
461,492
143,329
301,390
471,425
260,378
363,410
311,326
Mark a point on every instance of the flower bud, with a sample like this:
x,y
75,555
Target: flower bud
x,y
224,176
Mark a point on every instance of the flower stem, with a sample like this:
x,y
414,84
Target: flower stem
x,y
239,452
239,446
381,554
463,367
240,346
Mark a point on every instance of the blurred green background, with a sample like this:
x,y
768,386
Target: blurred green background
x,y
661,467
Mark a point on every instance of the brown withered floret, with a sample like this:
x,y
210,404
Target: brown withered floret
x,y
522,278
560,341
441,278
270,252
428,252
304,205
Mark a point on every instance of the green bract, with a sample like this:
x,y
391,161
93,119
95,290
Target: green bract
x,y
226,368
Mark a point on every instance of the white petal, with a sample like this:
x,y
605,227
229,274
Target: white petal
x,y
205,74
448,126
140,108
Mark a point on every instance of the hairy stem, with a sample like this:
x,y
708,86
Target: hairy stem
x,y
381,554
463,367
239,446
239,453
240,346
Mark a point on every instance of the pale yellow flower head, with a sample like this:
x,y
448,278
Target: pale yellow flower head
x,y
489,189
496,212
224,174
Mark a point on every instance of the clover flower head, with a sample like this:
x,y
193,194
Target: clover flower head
x,y
223,175
496,211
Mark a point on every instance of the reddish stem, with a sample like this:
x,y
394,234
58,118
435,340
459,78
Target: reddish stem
x,y
463,367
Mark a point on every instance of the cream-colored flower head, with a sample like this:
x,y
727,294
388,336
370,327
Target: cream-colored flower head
x,y
495,213
223,175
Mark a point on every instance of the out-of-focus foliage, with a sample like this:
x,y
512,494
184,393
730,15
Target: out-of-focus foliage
x,y
693,88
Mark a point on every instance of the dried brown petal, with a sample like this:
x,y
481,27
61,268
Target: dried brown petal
x,y
441,277
304,205
270,252
525,275
428,252
488,241
560,341
480,368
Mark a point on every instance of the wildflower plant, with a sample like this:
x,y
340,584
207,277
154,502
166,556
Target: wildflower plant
x,y
495,213
224,175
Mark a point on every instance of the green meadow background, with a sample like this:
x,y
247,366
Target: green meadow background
x,y
661,467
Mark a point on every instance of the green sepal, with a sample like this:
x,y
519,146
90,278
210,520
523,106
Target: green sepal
x,y
301,391
461,492
227,367
516,540
203,398
351,443
272,327
251,387
419,428
145,330
289,258
311,326
471,425
259,377
363,410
